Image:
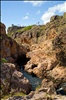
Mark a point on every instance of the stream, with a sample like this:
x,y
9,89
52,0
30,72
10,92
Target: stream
x,y
35,81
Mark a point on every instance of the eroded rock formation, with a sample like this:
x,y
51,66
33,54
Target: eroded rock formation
x,y
10,50
47,57
2,28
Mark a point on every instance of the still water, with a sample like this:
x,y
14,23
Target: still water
x,y
35,81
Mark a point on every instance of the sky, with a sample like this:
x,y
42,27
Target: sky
x,y
24,13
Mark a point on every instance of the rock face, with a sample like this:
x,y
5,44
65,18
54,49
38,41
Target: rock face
x,y
10,50
48,58
42,59
14,28
59,44
39,33
13,80
44,62
2,28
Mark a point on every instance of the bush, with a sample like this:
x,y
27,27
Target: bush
x,y
28,27
9,34
3,60
0,37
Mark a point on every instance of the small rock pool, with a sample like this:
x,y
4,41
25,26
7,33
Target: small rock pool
x,y
35,81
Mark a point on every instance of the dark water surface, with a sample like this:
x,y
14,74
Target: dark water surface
x,y
35,81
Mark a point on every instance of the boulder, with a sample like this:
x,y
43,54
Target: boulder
x,y
13,80
20,83
48,86
58,73
7,70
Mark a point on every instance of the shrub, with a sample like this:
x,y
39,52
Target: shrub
x,y
3,60
28,27
9,34
0,37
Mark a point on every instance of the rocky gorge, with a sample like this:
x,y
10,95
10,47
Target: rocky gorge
x,y
38,51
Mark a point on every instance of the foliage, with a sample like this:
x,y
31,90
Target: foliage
x,y
19,94
38,87
42,27
3,60
9,34
0,37
15,94
20,30
24,29
64,15
28,27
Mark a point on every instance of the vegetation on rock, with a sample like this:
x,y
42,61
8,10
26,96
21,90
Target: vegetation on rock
x,y
31,33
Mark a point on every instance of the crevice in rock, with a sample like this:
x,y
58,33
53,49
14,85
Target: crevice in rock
x,y
33,75
61,89
22,60
33,79
34,65
62,92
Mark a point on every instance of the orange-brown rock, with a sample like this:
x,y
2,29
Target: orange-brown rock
x,y
47,54
43,59
58,73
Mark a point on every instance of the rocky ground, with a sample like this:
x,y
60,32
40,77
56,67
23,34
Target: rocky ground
x,y
40,95
42,51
